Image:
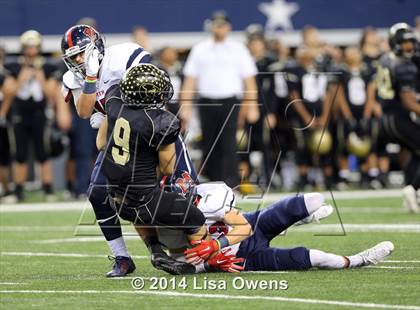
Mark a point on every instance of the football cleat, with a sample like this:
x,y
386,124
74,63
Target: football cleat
x,y
323,212
168,264
377,253
410,199
122,266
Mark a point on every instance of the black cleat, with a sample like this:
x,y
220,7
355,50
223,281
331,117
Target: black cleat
x,y
166,263
122,266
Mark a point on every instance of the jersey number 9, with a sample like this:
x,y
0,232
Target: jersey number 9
x,y
121,135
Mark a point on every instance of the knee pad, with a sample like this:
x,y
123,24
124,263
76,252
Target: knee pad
x,y
313,201
98,197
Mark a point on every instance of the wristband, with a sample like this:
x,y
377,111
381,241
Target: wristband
x,y
223,241
89,87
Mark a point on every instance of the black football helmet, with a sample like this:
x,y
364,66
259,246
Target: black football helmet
x,y
146,86
75,41
399,33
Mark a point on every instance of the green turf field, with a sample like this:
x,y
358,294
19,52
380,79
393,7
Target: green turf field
x,y
43,265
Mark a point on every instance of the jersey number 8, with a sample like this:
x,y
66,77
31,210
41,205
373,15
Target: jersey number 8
x,y
121,135
384,83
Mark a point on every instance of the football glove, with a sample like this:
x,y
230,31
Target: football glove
x,y
96,120
202,249
92,61
226,261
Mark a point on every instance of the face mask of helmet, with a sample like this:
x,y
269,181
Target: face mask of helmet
x,y
75,42
69,59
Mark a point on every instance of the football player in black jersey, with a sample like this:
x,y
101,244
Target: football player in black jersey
x,y
7,88
309,108
355,93
138,138
396,86
37,86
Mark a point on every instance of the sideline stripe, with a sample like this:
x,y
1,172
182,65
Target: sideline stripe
x,y
221,296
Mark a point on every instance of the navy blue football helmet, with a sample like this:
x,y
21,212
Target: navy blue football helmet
x,y
75,41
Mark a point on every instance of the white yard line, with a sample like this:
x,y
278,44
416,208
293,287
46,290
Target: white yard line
x,y
315,228
46,206
80,255
329,228
81,205
403,261
43,254
11,283
221,296
392,267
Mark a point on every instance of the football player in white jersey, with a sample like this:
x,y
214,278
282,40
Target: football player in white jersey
x,y
93,69
234,235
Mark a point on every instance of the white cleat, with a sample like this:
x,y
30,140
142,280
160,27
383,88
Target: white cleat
x,y
410,199
377,253
323,212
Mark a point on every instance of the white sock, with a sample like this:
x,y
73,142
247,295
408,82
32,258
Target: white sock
x,y
326,260
355,261
118,247
313,201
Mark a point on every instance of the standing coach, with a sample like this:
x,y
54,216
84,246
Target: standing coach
x,y
222,74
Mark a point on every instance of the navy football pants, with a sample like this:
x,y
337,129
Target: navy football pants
x,y
267,224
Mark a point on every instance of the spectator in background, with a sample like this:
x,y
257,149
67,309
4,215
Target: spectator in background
x,y
370,48
7,88
168,60
35,80
259,132
223,73
140,36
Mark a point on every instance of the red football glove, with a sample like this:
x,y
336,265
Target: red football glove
x,y
203,249
226,261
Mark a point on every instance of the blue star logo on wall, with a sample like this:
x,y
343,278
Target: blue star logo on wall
x,y
279,13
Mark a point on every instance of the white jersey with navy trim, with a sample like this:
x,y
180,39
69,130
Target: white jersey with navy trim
x,y
118,58
216,200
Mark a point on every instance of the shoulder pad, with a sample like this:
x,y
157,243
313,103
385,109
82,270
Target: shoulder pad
x,y
70,81
406,68
216,200
166,127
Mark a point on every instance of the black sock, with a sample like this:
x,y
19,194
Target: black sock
x,y
69,186
19,191
153,245
47,188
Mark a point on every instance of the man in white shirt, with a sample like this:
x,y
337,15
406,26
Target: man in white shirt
x,y
222,74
